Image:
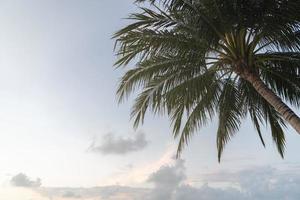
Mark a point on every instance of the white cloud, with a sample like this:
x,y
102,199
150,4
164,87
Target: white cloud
x,y
170,183
70,194
21,180
138,173
112,144
166,180
99,193
264,183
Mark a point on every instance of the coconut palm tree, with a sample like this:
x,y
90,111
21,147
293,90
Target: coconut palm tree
x,y
198,60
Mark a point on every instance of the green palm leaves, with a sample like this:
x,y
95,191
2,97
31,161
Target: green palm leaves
x,y
192,58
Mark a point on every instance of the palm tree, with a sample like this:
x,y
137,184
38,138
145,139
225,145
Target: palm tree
x,y
197,59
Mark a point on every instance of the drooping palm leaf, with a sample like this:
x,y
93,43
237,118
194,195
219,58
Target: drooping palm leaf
x,y
194,59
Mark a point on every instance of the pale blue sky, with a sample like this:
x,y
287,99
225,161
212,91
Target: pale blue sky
x,y
57,97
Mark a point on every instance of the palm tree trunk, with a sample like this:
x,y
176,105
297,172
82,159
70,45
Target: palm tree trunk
x,y
285,111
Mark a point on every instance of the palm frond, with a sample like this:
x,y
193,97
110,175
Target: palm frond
x,y
199,108
281,71
230,115
277,132
192,59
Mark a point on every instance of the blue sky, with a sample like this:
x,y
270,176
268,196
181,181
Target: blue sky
x,y
60,121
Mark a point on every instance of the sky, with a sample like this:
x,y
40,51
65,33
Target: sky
x,y
63,136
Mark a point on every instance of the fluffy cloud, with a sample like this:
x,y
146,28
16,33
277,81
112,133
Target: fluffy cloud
x,y
112,144
264,183
69,194
170,183
95,193
206,193
21,180
166,180
267,183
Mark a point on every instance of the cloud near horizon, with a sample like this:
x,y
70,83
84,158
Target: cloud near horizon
x,y
170,182
69,194
22,180
110,144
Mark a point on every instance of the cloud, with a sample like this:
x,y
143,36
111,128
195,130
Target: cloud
x,y
98,193
264,183
21,180
166,180
112,144
269,183
169,175
170,182
206,193
69,194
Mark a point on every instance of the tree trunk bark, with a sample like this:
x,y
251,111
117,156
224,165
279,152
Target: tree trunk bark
x,y
285,111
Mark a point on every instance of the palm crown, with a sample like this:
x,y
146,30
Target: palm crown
x,y
197,59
